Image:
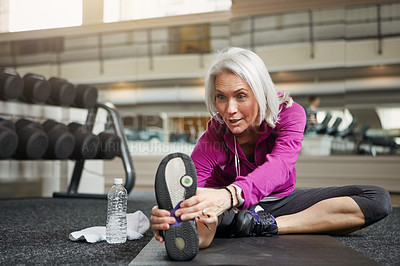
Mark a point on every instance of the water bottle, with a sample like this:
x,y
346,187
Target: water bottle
x,y
116,213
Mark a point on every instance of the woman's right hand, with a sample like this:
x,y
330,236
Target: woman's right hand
x,y
160,220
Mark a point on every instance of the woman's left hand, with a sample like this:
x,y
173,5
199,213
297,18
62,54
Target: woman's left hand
x,y
207,205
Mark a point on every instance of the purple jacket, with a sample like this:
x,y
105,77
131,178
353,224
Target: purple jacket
x,y
276,151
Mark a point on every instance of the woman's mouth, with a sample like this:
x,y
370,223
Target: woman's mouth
x,y
234,122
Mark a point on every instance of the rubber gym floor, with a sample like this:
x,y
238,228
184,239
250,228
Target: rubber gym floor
x,y
35,231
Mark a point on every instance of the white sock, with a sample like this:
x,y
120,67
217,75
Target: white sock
x,y
258,208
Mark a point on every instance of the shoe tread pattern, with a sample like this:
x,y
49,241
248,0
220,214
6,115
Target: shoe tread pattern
x,y
188,232
164,195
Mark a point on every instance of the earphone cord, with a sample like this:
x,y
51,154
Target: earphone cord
x,y
237,161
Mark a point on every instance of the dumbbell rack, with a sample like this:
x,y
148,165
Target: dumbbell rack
x,y
125,154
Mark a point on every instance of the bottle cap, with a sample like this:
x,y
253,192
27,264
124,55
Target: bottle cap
x,y
117,181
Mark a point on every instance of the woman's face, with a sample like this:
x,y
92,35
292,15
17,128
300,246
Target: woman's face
x,y
236,103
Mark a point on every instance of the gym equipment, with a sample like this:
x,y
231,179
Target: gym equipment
x,y
11,84
86,96
61,141
321,128
36,89
8,139
32,140
110,146
86,143
349,130
369,142
333,130
363,130
125,154
62,92
384,142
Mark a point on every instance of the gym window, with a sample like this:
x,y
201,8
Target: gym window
x,y
24,15
389,117
119,10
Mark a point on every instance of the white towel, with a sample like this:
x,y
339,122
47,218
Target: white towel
x,y
137,225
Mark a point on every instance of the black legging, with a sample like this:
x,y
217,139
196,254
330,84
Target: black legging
x,y
373,201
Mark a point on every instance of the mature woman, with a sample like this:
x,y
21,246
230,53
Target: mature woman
x,y
247,157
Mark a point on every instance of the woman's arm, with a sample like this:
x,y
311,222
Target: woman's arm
x,y
208,153
278,172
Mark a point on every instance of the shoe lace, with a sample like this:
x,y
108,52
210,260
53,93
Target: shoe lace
x,y
178,220
264,223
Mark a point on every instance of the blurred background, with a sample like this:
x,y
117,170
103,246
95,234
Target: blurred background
x,y
149,59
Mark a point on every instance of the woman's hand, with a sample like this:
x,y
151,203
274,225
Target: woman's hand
x,y
207,205
160,220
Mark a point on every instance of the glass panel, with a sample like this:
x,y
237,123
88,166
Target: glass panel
x,y
119,10
44,14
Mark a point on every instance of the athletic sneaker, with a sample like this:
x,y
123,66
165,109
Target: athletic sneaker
x,y
254,222
176,180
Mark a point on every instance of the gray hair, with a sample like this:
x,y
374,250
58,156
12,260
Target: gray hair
x,y
251,68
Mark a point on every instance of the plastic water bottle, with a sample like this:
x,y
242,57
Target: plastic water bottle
x,y
116,213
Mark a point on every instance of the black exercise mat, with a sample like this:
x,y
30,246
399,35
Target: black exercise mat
x,y
283,250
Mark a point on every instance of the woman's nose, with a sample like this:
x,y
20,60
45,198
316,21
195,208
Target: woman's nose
x,y
232,107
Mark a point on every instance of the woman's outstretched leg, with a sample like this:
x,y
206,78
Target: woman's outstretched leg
x,y
340,215
334,210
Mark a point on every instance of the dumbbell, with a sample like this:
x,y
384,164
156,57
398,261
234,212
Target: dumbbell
x,y
86,96
110,146
11,84
32,140
62,92
86,143
36,89
8,139
61,141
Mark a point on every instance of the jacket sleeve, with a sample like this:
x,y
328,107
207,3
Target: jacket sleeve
x,y
205,153
278,171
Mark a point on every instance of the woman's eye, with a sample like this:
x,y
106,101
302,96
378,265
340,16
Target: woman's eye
x,y
241,96
220,97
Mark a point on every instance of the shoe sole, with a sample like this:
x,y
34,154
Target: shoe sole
x,y
176,180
